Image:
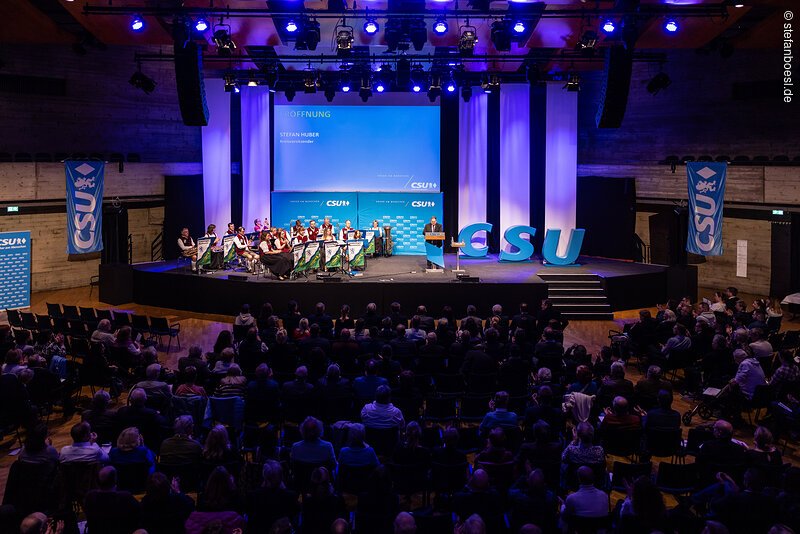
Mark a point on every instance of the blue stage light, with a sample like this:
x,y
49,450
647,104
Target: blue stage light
x,y
380,88
451,87
440,26
371,27
345,87
291,26
416,88
201,24
519,27
671,26
137,24
609,26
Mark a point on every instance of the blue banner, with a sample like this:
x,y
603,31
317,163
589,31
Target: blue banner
x,y
406,213
15,270
288,207
84,206
706,194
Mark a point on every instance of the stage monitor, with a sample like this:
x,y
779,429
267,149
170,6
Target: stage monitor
x,y
390,144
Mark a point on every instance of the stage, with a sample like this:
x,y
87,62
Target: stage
x,y
617,285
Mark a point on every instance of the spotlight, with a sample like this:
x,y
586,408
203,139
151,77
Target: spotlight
x,y
252,83
418,34
451,87
380,88
490,83
588,41
345,87
660,81
573,83
609,26
137,24
671,26
366,89
344,39
519,27
330,92
222,38
290,92
501,36
435,89
309,35
310,82
416,88
201,24
140,81
371,27
291,26
468,39
230,82
440,26
466,93
236,88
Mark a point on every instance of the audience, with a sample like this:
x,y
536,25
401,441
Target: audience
x,y
381,413
111,510
84,446
181,448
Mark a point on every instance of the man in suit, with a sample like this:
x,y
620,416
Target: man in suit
x,y
433,226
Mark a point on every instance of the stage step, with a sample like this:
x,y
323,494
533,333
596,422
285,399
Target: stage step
x,y
578,296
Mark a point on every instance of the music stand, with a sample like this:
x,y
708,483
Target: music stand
x,y
458,245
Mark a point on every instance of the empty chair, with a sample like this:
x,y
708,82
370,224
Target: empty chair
x,y
14,318
440,408
383,440
722,158
622,472
43,323
121,319
140,324
77,330
451,383
677,479
23,157
159,327
104,314
54,310
29,321
473,408
448,478
71,312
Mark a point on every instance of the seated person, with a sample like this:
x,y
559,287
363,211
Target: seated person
x,y
103,334
495,451
102,419
321,505
271,501
190,387
588,501
614,385
582,450
722,450
164,507
110,510
478,497
357,453
531,502
147,420
181,448
499,416
84,447
663,416
312,448
410,452
233,384
218,450
38,447
448,453
583,382
131,449
382,413
619,418
542,408
646,389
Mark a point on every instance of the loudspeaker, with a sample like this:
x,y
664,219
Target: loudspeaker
x,y
189,78
116,283
238,277
668,232
617,84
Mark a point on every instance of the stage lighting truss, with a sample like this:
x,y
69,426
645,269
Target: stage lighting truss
x,y
587,42
344,39
371,26
435,89
365,92
468,39
573,82
223,40
308,35
311,81
418,78
490,83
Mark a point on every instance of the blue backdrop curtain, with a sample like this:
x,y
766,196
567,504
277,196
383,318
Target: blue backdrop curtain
x,y
216,138
515,167
472,159
256,152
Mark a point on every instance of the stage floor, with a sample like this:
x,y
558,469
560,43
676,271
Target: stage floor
x,y
398,278
412,269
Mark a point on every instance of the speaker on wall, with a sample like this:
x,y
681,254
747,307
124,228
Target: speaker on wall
x,y
191,89
617,84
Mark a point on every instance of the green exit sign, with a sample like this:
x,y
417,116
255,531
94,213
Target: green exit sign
x,y
777,212
12,209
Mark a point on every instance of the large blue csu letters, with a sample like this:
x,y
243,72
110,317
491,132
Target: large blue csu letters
x,y
465,235
513,235
551,239
524,247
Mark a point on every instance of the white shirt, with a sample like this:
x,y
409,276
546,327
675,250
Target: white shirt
x,y
375,415
588,501
185,247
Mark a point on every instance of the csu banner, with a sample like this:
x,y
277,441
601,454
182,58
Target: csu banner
x,y
288,207
84,206
706,194
406,213
15,270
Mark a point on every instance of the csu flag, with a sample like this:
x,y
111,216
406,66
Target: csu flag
x,y
84,206
706,193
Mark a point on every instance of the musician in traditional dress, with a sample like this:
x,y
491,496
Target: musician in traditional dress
x,y
283,243
211,232
298,224
188,247
345,229
313,230
272,258
327,234
326,224
257,227
231,229
378,232
243,249
301,236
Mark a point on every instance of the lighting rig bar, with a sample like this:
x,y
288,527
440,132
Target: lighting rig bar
x,y
641,11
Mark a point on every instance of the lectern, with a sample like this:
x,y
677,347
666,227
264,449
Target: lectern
x,y
435,253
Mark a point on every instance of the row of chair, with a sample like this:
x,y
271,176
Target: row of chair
x,y
46,157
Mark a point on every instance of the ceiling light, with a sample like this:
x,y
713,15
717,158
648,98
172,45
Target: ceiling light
x,y
609,26
671,26
501,36
371,27
201,24
291,26
573,83
252,83
380,88
468,40
137,23
344,39
440,26
519,27
222,38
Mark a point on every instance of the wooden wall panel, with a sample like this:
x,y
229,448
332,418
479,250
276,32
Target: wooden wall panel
x,y
782,185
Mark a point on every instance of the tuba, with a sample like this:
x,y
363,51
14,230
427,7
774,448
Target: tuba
x,y
388,244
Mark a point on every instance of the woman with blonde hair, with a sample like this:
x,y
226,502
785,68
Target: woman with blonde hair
x,y
217,449
131,449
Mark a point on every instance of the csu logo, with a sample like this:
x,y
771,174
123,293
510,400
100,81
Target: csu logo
x,y
423,204
423,185
12,241
337,203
